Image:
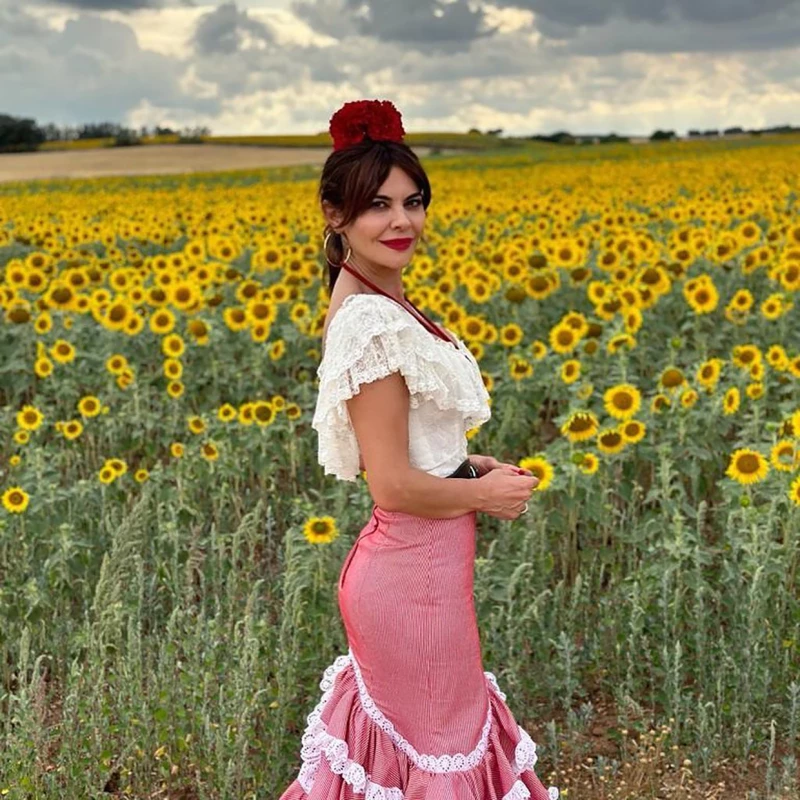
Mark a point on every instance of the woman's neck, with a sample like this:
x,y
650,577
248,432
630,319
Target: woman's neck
x,y
395,290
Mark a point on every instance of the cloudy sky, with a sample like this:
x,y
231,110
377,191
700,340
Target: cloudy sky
x,y
284,66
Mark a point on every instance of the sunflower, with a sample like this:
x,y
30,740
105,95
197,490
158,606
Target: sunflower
x,y
226,413
541,468
742,300
794,421
62,351
580,425
774,307
209,451
195,424
672,378
745,355
263,413
708,373
15,499
175,389
29,418
731,401
172,368
106,475
563,338
576,321
277,349
747,466
632,431
116,364
794,491
610,440
755,390
538,349
688,398
540,286
622,401
633,320
117,464
777,357
785,455
570,370
173,345
589,464
660,402
620,340
320,530
162,321
510,335
72,429
704,299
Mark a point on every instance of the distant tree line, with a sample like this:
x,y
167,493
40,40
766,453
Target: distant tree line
x,y
565,137
20,134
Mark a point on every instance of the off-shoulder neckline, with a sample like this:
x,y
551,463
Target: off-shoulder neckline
x,y
457,345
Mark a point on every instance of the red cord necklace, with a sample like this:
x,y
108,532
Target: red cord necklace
x,y
429,324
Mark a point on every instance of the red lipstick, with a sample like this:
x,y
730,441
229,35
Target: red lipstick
x,y
397,244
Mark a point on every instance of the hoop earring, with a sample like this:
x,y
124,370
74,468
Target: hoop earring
x,y
325,248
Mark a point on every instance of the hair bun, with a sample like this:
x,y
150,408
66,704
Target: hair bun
x,y
355,122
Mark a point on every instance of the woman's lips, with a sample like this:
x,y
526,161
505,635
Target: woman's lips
x,y
399,244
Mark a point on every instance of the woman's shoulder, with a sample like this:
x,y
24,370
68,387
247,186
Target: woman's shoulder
x,y
362,315
361,303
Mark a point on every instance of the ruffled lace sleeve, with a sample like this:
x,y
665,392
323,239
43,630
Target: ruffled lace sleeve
x,y
369,338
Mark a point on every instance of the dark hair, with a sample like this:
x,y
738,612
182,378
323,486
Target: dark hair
x,y
350,180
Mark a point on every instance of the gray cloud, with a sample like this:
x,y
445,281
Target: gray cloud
x,y
92,70
223,30
17,23
326,16
425,24
119,5
240,56
573,13
685,37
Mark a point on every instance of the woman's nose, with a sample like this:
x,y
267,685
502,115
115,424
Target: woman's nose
x,y
400,220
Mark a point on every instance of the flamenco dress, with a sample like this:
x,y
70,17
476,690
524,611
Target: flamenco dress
x,y
408,713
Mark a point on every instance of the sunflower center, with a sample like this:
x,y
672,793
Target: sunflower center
x,y
748,464
623,400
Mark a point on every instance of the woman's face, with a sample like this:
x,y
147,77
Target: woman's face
x,y
396,213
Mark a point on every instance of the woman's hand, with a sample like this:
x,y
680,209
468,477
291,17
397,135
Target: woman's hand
x,y
488,463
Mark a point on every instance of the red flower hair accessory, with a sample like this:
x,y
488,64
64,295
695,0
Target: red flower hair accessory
x,y
377,120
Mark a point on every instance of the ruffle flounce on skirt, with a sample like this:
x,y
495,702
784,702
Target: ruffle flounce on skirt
x,y
351,751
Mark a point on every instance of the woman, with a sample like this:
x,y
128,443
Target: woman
x,y
408,713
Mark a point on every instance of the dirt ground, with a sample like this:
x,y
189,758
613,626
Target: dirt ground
x,y
156,159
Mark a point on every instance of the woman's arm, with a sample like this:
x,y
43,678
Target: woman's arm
x,y
379,413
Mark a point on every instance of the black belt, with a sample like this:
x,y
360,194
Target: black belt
x,y
466,469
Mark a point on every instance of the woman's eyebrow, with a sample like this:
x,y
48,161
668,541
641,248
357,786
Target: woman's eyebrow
x,y
386,197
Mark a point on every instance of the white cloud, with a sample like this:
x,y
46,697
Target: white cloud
x,y
282,76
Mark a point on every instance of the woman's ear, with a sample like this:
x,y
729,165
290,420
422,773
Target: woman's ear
x,y
332,215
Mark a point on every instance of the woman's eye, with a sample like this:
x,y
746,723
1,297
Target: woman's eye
x,y
378,203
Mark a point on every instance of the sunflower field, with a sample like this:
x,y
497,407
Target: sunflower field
x,y
169,545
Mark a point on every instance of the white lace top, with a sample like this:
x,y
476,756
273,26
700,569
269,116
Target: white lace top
x,y
371,336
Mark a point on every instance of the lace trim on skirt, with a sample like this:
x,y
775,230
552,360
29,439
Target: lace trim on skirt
x,y
316,741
